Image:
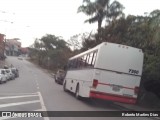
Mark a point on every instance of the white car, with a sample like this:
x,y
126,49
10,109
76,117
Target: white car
x,y
6,74
10,74
3,77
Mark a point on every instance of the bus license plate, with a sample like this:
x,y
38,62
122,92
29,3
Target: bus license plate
x,y
116,88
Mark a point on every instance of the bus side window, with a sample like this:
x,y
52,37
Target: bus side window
x,y
68,65
84,60
75,63
94,58
71,65
81,62
87,61
90,60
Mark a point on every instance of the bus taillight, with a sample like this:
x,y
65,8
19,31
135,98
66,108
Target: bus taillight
x,y
95,83
136,90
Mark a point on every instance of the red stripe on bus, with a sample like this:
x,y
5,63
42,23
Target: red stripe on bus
x,y
111,85
112,97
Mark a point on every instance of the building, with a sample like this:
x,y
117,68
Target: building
x,y
2,38
12,47
24,50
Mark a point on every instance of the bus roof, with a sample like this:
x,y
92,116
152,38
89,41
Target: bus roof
x,y
88,51
96,48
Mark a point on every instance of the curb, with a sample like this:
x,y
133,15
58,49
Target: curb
x,y
52,75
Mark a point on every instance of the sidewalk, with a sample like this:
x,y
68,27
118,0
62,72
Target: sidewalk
x,y
2,63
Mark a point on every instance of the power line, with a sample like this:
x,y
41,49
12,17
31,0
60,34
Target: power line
x,y
6,21
6,12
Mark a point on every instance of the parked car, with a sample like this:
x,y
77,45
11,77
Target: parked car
x,y
3,77
20,58
59,77
6,74
10,74
6,67
15,72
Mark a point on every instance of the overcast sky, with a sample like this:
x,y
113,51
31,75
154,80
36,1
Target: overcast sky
x,y
30,19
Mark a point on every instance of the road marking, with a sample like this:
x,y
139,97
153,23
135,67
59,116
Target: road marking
x,y
38,110
42,104
41,101
37,85
36,81
19,103
17,96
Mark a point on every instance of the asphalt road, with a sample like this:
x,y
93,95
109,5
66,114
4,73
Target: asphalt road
x,y
35,90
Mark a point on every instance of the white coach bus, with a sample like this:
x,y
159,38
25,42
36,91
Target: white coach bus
x,y
108,71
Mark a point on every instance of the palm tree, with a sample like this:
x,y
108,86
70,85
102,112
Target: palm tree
x,y
99,10
115,10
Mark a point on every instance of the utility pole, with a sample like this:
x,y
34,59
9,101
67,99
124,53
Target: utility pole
x,y
4,42
4,46
1,45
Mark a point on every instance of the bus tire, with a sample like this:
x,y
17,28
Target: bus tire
x,y
77,92
64,87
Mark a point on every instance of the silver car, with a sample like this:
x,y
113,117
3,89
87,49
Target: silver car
x,y
3,77
10,74
6,74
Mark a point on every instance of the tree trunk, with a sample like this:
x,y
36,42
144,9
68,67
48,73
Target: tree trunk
x,y
99,25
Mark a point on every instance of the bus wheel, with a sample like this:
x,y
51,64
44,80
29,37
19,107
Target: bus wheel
x,y
64,87
77,92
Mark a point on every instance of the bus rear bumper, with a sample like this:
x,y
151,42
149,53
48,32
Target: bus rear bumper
x,y
112,97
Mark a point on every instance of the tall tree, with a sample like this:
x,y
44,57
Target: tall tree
x,y
50,51
96,9
99,10
115,11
